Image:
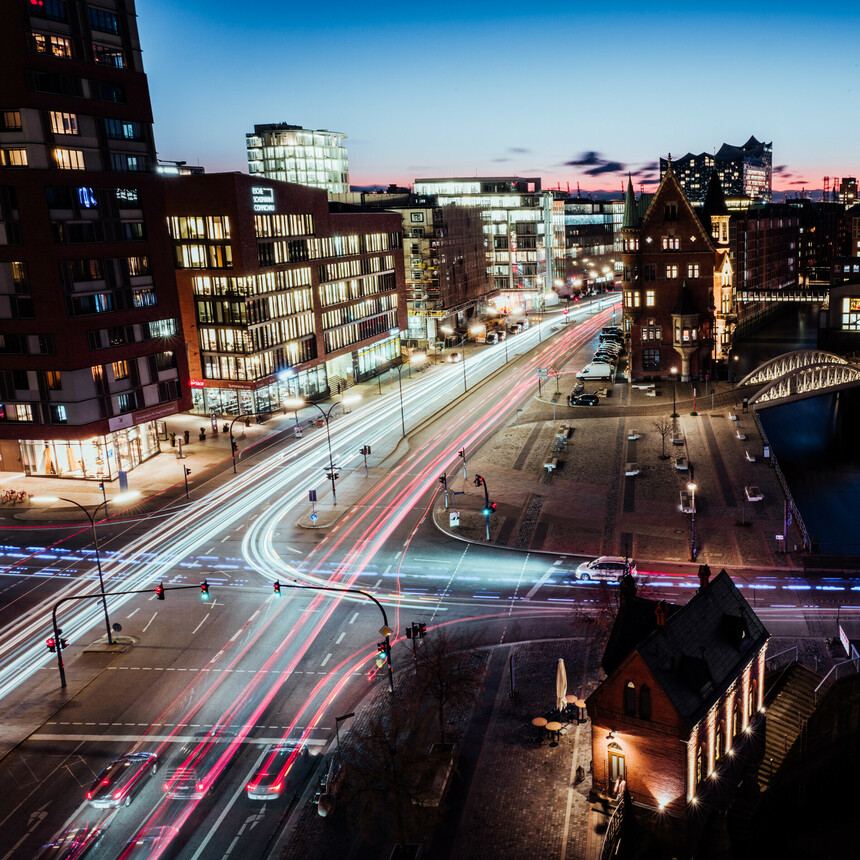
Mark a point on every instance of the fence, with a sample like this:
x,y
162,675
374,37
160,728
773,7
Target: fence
x,y
845,669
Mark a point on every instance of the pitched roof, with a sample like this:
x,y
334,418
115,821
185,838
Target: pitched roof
x,y
669,186
701,648
685,305
715,200
636,618
632,218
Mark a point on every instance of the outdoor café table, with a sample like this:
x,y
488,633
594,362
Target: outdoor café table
x,y
539,723
553,728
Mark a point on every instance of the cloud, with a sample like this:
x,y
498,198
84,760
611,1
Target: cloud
x,y
597,165
518,149
501,159
781,170
803,182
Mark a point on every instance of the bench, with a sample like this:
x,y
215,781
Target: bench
x,y
687,505
633,435
678,440
651,393
631,469
681,464
750,457
563,432
741,436
551,464
732,416
753,494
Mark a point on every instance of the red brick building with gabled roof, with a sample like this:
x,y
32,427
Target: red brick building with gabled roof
x,y
680,710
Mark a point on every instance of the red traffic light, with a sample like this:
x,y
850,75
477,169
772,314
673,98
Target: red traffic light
x,y
204,590
565,311
422,629
443,480
187,470
276,586
461,452
478,480
52,644
159,591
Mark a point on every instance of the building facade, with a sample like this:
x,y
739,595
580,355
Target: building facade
x,y
520,223
680,712
280,295
676,272
91,344
290,153
744,171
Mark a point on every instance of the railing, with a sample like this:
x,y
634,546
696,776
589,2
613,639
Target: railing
x,y
779,659
613,831
845,669
804,534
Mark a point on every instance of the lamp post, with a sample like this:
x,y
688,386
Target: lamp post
x,y
92,518
692,488
233,444
296,403
674,372
414,359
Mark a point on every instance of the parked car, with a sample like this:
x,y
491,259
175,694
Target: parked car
x,y
121,780
454,357
605,356
586,400
608,567
492,337
73,844
190,774
612,329
612,339
596,370
279,765
149,842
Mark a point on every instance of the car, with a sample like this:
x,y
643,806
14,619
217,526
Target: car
x,y
596,370
604,357
280,764
610,345
454,357
72,844
612,329
492,337
190,773
608,568
149,842
121,780
586,400
612,340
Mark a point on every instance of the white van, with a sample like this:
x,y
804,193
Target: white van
x,y
595,370
492,337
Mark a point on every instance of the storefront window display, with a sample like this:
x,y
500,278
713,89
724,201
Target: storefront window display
x,y
98,459
371,358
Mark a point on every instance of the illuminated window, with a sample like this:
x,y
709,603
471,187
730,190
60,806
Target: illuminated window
x,y
693,270
701,762
53,380
671,272
69,159
671,243
120,370
736,718
649,298
751,700
630,699
64,123
719,742
13,157
59,46
10,120
108,55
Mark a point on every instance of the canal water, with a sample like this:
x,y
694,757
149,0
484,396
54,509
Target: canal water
x,y
814,440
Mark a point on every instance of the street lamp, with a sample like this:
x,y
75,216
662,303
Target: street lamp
x,y
92,518
692,488
415,359
298,403
674,372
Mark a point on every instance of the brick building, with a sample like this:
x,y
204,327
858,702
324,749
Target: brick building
x,y
92,352
282,293
680,711
676,272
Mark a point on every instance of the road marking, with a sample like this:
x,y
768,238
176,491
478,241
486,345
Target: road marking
x,y
149,622
386,570
340,638
200,625
327,658
226,537
133,613
351,620
539,583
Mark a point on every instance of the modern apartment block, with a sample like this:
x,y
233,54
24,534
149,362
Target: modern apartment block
x,y
282,294
91,351
290,153
520,223
590,247
745,171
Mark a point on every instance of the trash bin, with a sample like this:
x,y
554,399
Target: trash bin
x,y
202,434
226,427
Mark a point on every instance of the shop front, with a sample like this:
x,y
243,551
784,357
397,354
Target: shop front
x,y
100,458
370,360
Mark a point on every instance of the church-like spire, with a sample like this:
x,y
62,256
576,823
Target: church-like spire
x,y
715,200
631,220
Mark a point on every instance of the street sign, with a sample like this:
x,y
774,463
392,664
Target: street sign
x,y
314,518
780,537
454,519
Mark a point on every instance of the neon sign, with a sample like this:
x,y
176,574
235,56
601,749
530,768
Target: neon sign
x,y
263,199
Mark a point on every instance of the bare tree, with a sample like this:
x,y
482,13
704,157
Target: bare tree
x,y
448,672
664,427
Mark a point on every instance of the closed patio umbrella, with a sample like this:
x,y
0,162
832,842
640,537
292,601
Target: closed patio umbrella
x,y
561,685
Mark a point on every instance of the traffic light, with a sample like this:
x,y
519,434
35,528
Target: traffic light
x,y
102,486
422,629
443,480
478,480
204,590
461,452
493,507
187,470
380,646
565,311
277,587
410,631
576,298
235,448
159,591
64,643
52,644
486,512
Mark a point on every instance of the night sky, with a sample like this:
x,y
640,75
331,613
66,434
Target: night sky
x,y
569,92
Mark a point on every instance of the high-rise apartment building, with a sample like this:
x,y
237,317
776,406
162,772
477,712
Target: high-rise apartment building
x,y
745,171
91,351
520,223
290,153
282,293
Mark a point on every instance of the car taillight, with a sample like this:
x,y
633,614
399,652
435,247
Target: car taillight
x,y
117,795
200,786
276,787
89,795
252,786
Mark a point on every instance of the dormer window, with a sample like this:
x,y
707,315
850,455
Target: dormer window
x,y
671,243
670,212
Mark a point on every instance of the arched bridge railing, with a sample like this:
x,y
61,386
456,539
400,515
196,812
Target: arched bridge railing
x,y
799,374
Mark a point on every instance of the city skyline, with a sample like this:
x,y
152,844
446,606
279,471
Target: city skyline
x,y
444,96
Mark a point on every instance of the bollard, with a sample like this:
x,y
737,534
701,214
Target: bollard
x,y
226,427
202,434
187,435
173,440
